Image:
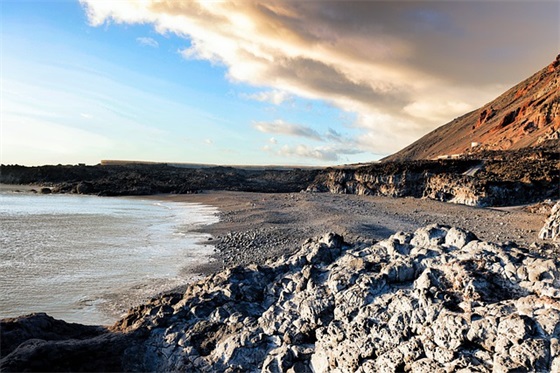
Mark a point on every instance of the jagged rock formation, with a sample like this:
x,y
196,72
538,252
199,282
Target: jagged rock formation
x,y
493,179
551,229
435,300
526,115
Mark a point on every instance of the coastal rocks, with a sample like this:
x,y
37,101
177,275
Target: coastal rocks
x,y
445,187
464,190
14,331
489,179
84,187
435,300
551,228
38,342
122,178
485,178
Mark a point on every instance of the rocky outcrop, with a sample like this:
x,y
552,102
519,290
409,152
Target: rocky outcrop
x,y
493,179
39,343
435,300
551,228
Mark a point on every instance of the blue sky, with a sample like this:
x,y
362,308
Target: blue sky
x,y
242,82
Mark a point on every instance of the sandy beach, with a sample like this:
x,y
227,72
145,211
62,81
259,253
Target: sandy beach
x,y
254,227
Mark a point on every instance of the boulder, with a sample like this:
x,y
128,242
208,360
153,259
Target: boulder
x,y
551,228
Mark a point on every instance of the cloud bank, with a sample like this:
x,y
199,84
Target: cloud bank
x,y
402,67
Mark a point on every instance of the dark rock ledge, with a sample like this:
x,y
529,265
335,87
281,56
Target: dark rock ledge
x,y
436,300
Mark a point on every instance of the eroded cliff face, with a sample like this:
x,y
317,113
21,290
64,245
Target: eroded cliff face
x,y
494,179
446,187
435,299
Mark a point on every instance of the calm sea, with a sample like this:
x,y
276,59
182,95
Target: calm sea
x,y
88,259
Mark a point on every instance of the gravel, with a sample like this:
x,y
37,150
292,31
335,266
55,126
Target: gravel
x,y
255,227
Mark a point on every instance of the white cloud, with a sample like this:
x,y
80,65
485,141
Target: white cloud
x,y
322,153
273,140
274,97
397,65
280,127
442,110
147,42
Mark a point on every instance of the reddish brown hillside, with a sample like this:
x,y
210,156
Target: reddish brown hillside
x,y
524,116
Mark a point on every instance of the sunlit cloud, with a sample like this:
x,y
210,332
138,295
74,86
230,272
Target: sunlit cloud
x,y
274,97
147,42
395,65
279,127
322,153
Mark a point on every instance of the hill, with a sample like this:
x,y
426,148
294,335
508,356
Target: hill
x,y
524,116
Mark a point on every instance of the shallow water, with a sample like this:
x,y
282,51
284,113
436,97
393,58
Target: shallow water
x,y
87,259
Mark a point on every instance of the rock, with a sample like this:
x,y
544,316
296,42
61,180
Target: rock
x,y
85,187
551,228
490,178
38,342
46,191
431,235
437,300
457,238
15,331
114,178
496,178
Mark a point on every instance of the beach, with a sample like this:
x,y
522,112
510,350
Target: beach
x,y
403,275
255,227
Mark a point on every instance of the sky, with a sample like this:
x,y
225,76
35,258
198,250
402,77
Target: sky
x,y
241,82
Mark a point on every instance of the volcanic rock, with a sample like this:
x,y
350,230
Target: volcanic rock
x,y
551,228
500,178
41,343
435,300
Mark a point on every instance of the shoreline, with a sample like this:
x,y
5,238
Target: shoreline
x,y
311,289
20,188
256,227
140,277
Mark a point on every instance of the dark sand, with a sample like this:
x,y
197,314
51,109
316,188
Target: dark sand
x,y
256,226
287,220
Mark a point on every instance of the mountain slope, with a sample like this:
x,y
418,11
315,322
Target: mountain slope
x,y
524,116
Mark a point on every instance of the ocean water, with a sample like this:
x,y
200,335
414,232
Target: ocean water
x,y
88,259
